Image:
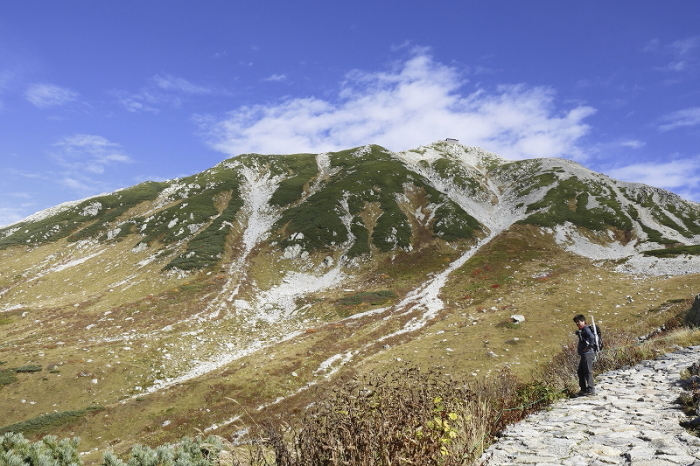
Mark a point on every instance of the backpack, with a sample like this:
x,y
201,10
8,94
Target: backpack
x,y
595,329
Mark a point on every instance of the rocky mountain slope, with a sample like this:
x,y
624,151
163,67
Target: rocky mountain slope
x,y
268,275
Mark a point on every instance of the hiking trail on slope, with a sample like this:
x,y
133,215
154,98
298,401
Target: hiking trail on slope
x,y
632,420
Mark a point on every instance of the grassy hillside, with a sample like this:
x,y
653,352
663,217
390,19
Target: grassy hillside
x,y
522,272
218,301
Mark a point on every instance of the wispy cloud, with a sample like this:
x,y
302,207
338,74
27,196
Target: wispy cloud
x,y
652,46
49,95
80,165
10,215
680,118
87,154
418,100
163,91
684,47
276,78
145,101
632,143
14,207
683,53
175,84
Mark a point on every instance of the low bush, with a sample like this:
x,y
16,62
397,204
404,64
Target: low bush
x,y
7,377
404,417
29,368
369,297
47,421
673,252
187,452
15,450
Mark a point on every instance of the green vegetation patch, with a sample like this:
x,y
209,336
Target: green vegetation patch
x,y
176,222
452,224
361,244
568,201
373,298
539,181
115,205
652,235
187,452
367,175
207,247
7,377
15,450
690,217
29,368
673,252
687,215
48,421
100,210
302,169
456,172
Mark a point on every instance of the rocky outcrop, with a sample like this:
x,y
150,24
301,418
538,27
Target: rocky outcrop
x,y
693,316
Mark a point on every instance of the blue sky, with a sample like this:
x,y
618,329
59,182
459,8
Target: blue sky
x,y
100,95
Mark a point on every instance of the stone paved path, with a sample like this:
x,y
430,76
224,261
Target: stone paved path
x,y
631,421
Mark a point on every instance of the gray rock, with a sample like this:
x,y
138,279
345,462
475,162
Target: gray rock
x,y
693,315
633,421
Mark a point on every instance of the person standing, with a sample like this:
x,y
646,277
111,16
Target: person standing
x,y
586,350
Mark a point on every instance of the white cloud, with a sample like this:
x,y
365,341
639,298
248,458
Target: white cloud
x,y
676,175
146,101
76,184
163,91
175,84
276,78
87,153
632,143
651,46
683,47
680,118
49,95
418,101
14,206
682,52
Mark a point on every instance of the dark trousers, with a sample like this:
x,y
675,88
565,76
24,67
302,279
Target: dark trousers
x,y
585,372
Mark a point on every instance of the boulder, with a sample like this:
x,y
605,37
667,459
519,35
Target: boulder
x,y
693,316
517,318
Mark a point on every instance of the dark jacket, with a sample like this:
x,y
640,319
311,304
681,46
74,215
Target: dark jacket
x,y
586,340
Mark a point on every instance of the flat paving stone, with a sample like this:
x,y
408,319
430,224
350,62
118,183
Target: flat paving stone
x,y
633,421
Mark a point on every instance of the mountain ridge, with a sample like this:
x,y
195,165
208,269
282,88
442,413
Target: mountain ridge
x,y
332,262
